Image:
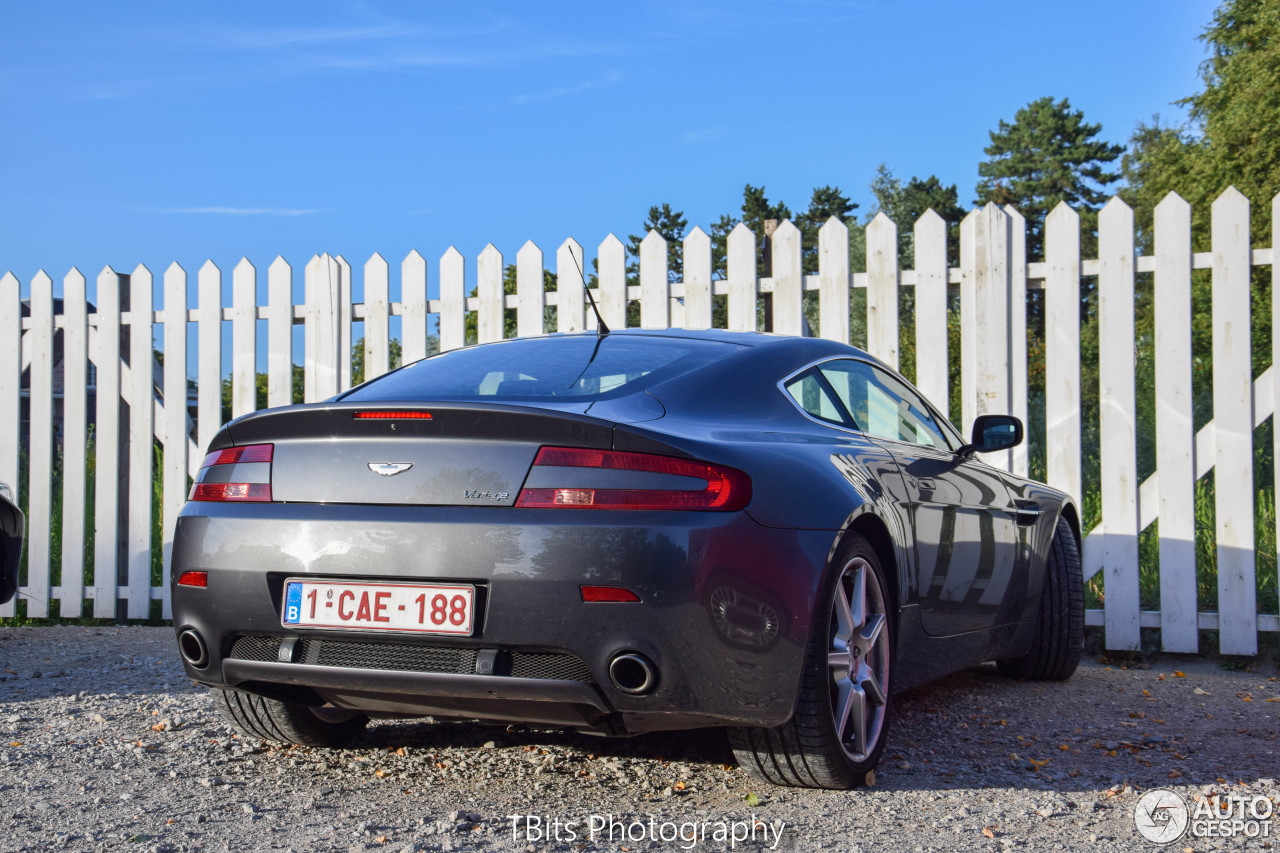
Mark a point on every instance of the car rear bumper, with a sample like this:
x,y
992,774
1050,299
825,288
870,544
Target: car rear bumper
x,y
723,617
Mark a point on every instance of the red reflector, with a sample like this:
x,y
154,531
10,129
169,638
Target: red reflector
x,y
725,489
391,416
194,579
608,593
231,492
244,453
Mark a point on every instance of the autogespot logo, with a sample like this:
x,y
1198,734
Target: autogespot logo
x,y
1161,816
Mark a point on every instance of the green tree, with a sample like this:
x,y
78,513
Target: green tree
x,y
1049,154
906,203
825,203
1238,110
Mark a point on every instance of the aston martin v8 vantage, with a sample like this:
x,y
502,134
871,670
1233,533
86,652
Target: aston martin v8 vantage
x,y
633,532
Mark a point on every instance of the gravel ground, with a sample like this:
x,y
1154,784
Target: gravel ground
x,y
107,746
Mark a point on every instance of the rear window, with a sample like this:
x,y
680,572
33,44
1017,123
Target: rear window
x,y
578,367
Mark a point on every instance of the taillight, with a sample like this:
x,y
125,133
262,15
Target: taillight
x,y
724,489
235,474
393,415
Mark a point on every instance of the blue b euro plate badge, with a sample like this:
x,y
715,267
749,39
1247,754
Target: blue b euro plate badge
x,y
292,603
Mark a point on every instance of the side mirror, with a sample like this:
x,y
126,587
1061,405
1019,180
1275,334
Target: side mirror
x,y
993,432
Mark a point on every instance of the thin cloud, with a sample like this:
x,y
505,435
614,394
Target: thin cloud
x,y
706,134
239,211
564,91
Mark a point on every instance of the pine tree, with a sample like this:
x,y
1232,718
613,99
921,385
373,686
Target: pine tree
x,y
1049,154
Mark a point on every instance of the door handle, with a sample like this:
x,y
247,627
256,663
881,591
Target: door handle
x,y
1028,512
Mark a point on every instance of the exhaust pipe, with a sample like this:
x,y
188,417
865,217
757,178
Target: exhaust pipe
x,y
632,672
193,649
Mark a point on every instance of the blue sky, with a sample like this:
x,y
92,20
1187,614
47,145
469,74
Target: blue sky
x,y
154,132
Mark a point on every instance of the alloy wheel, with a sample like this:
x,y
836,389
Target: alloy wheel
x,y
858,658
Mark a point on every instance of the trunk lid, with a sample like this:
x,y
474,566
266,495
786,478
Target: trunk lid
x,y
463,454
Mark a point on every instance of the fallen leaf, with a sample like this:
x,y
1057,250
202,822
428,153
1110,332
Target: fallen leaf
x,y
1064,747
158,727
15,743
679,786
1244,696
752,799
989,831
1274,699
1146,692
1177,673
1200,692
400,752
870,779
381,839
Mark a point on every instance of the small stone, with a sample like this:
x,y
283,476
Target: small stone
x,y
248,808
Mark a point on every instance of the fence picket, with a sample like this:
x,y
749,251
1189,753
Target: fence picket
x,y
655,289
1275,356
833,281
1018,331
1175,432
985,342
416,314
377,317
612,294
75,372
141,428
344,323
1062,349
244,339
932,366
490,325
453,300
1117,402
10,394
279,333
323,319
788,280
106,522
530,293
209,341
176,421
968,307
570,297
40,470
743,283
1233,419
882,289
697,280
413,299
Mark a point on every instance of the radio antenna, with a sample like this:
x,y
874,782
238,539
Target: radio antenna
x,y
601,328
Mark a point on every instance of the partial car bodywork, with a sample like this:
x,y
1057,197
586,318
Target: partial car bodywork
x,y
464,471
12,528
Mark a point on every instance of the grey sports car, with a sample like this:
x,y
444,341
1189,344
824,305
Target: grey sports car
x,y
639,531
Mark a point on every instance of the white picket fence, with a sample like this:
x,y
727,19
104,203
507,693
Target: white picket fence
x,y
993,279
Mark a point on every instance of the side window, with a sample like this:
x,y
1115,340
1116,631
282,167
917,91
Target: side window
x,y
882,405
813,398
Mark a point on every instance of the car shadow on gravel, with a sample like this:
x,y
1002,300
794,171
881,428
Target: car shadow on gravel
x,y
976,729
702,746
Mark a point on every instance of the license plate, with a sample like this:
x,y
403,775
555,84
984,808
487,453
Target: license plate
x,y
417,608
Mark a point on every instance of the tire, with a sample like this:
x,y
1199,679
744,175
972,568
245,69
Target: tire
x,y
284,722
813,750
1059,637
